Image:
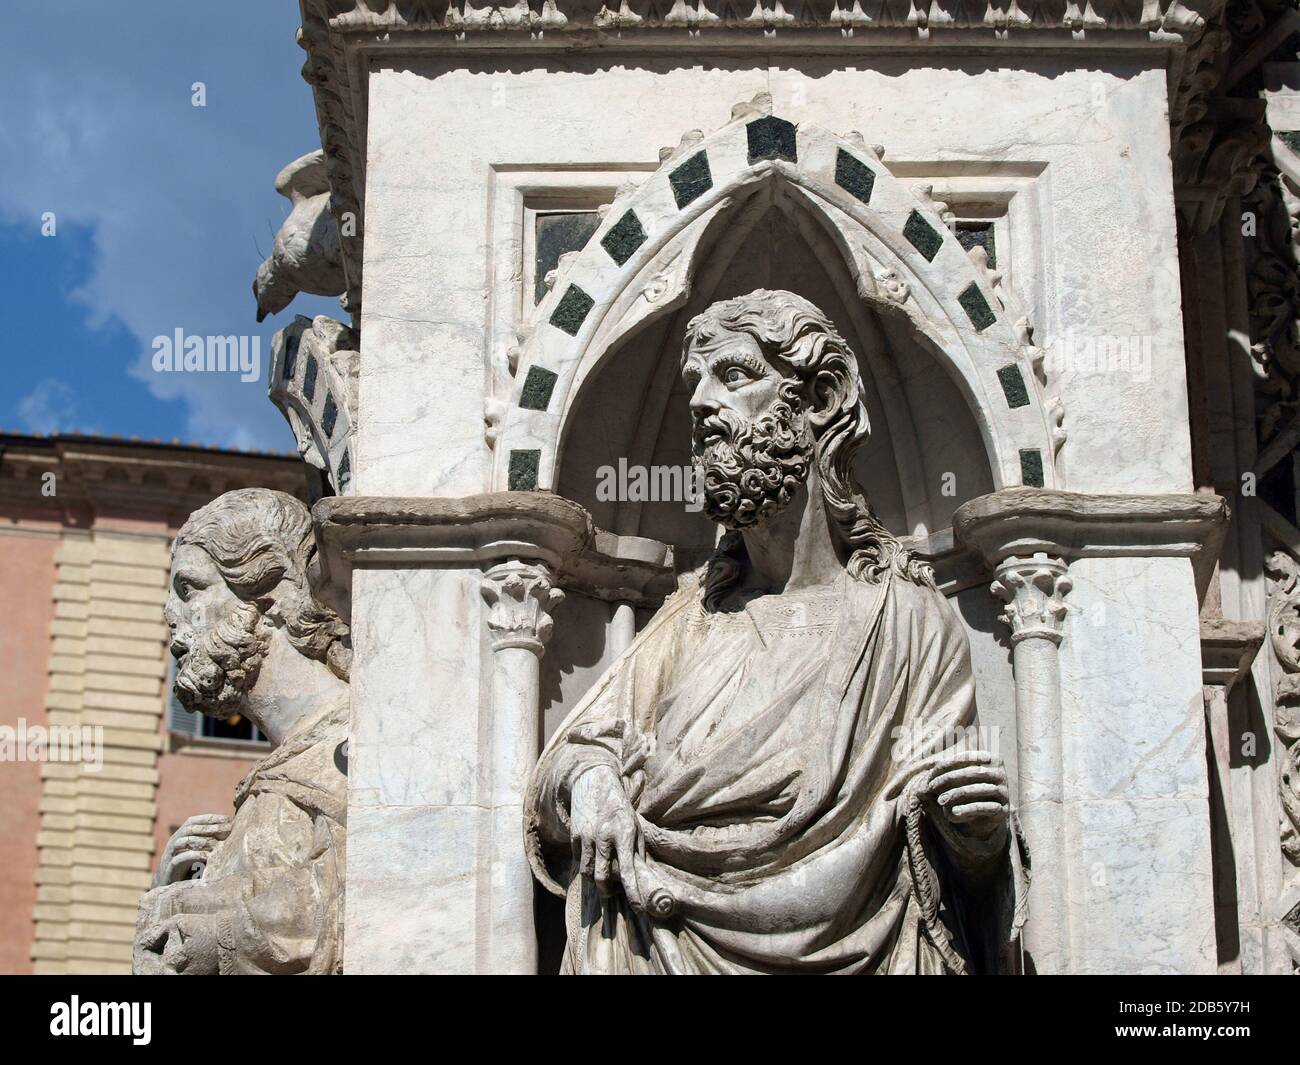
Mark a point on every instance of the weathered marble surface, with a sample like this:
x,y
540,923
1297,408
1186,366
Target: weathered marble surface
x,y
419,812
775,776
1079,150
995,122
306,256
259,890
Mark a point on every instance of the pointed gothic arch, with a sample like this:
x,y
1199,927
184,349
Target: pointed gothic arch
x,y
642,262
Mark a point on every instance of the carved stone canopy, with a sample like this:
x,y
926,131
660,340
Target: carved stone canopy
x,y
642,262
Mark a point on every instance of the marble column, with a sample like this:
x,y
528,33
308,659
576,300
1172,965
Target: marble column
x,y
451,600
520,596
1112,783
622,627
1033,591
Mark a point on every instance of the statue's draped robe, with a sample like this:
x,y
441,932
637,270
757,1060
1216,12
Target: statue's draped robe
x,y
275,884
773,756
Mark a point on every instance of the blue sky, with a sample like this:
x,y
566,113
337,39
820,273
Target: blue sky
x,y
163,211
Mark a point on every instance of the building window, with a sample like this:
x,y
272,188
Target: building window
x,y
200,727
979,234
556,233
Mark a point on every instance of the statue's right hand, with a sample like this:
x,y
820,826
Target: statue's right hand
x,y
605,833
192,842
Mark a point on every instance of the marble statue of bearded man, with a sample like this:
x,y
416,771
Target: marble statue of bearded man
x,y
259,891
765,781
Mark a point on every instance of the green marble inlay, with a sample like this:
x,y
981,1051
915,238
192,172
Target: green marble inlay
x,y
923,236
290,355
976,307
523,470
854,176
1031,467
555,234
771,138
1013,386
691,180
1290,138
309,379
571,311
538,386
624,238
329,417
345,471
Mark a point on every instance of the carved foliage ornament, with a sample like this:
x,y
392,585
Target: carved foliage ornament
x,y
1033,590
1284,635
1274,286
1168,16
520,597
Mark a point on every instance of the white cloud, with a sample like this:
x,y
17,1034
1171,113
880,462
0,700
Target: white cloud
x,y
97,126
51,407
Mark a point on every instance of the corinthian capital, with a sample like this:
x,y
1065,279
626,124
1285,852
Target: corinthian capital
x,y
1033,590
520,597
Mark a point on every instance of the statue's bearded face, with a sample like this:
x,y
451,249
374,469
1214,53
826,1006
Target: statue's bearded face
x,y
217,639
750,434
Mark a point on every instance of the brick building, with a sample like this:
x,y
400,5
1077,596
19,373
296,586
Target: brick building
x,y
85,530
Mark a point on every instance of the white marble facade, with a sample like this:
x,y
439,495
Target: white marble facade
x,y
1032,436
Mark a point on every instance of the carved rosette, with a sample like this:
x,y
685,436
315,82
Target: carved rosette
x,y
1033,590
520,597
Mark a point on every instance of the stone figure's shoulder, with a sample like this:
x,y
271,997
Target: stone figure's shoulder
x,y
690,587
929,609
310,770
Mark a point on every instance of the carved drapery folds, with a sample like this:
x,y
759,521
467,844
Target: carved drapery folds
x,y
259,642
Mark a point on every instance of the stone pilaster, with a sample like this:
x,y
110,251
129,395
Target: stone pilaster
x,y
1112,782
451,603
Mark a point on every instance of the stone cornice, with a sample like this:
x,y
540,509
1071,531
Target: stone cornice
x,y
155,482
1227,649
482,529
338,35
921,17
1071,525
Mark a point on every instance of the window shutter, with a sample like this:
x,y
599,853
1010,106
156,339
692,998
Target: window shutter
x,y
179,720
